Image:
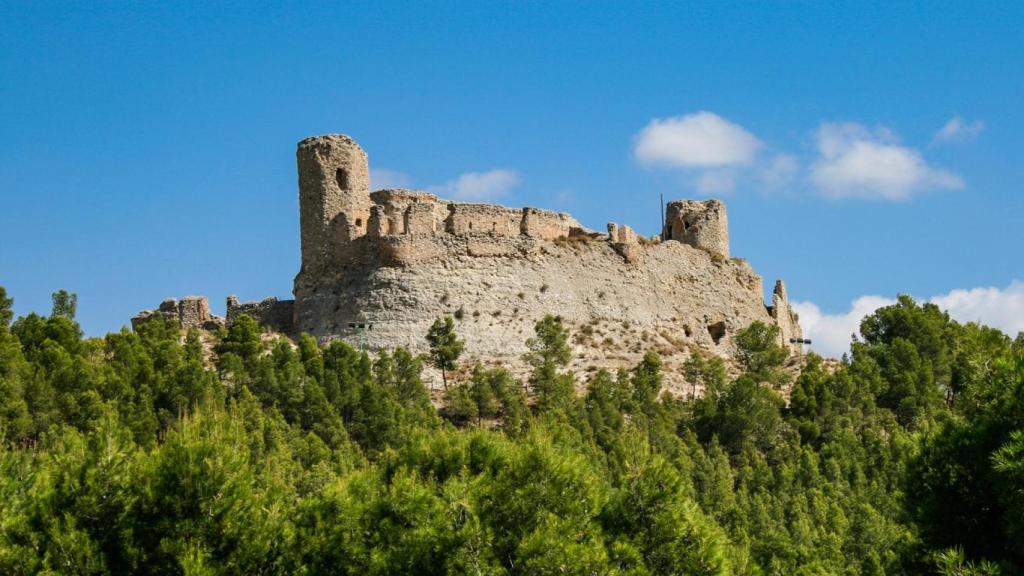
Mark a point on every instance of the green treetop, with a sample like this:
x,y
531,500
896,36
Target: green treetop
x,y
65,304
445,346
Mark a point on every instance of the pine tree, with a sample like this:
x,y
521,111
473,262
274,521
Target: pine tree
x,y
6,310
445,346
65,304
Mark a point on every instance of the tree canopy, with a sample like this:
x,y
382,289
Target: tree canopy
x,y
159,451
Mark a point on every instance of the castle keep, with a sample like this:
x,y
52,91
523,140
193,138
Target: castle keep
x,y
379,266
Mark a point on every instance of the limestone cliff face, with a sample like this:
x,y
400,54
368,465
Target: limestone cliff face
x,y
668,296
378,268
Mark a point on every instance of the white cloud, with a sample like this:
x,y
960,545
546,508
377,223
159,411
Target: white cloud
x,y
699,140
716,182
779,172
856,162
999,308
830,333
958,130
478,186
995,307
381,178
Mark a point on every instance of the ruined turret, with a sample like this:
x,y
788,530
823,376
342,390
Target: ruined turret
x,y
334,196
189,312
702,225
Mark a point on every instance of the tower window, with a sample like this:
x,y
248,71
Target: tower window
x,y
341,177
359,222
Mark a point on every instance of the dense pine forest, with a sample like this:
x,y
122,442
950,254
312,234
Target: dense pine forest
x,y
162,452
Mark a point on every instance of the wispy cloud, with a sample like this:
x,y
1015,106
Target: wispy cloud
x,y
1001,308
478,186
779,172
958,130
849,160
381,178
698,140
856,162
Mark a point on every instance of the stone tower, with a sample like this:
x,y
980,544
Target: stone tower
x,y
334,197
700,224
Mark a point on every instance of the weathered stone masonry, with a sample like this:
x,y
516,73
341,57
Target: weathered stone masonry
x,y
189,312
397,259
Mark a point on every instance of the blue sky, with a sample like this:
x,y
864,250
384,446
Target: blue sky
x,y
147,150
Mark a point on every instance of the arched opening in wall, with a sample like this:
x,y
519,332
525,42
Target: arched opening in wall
x,y
470,225
717,331
341,177
359,222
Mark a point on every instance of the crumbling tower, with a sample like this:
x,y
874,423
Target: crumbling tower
x,y
703,225
334,197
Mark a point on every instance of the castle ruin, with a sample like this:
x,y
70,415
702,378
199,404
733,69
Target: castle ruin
x,y
379,266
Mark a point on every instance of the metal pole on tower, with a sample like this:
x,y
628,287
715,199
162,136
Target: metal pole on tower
x,y
661,209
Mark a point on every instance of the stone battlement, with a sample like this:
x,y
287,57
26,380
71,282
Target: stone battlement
x,y
398,212
337,210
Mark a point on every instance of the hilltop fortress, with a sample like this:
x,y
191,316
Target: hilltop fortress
x,y
378,268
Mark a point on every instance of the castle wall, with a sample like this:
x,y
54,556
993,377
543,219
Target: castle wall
x,y
189,312
625,241
277,315
483,218
546,224
626,235
396,216
419,219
